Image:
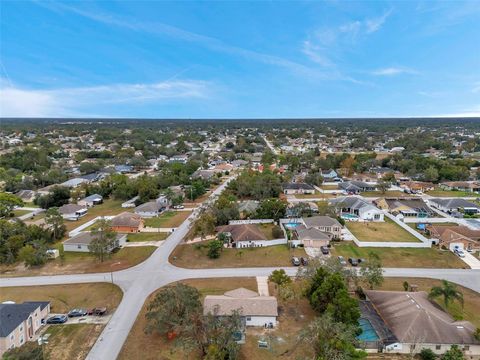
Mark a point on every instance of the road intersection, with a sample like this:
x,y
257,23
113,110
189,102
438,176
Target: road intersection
x,y
140,281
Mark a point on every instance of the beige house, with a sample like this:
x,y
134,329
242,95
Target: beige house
x,y
20,323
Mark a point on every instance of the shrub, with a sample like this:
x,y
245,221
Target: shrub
x,y
427,354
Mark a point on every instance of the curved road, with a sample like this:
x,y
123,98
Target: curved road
x,y
140,281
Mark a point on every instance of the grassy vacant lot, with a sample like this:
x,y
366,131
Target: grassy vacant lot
x,y
147,237
380,231
83,263
71,342
108,208
403,257
293,316
64,298
447,193
471,298
168,219
194,256
390,193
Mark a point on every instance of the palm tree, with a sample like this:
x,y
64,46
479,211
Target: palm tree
x,y
448,291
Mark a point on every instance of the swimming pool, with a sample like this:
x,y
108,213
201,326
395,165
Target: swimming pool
x,y
349,217
291,225
368,332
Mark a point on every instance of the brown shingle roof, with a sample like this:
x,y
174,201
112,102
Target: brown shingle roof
x,y
127,219
243,232
413,318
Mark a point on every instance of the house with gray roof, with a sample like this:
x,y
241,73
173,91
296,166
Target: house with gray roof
x,y
453,205
354,208
356,187
91,200
81,241
298,188
72,211
20,323
255,310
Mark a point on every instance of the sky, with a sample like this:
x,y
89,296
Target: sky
x,y
239,59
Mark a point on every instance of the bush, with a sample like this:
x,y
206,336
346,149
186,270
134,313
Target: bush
x,y
29,351
427,354
214,249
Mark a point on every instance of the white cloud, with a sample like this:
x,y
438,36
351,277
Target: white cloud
x,y
390,71
315,53
18,102
373,25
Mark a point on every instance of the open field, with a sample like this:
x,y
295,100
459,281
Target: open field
x,y
108,208
71,342
139,237
389,193
168,219
64,298
194,256
380,231
471,298
449,193
83,263
293,316
403,257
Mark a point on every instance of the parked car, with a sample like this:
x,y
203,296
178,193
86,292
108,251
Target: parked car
x,y
57,319
295,261
77,313
98,311
324,250
304,261
342,261
353,261
361,260
460,253
176,207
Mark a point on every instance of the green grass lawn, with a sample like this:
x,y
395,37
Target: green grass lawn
x,y
380,231
266,229
109,207
448,193
194,256
403,257
329,187
139,237
168,219
20,212
391,193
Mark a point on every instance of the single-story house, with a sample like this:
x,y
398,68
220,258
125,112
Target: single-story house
x,y
72,211
417,186
248,206
356,187
298,188
239,163
26,195
330,175
255,310
80,242
130,203
152,208
75,182
127,222
243,235
20,323
407,207
124,169
468,186
178,159
453,236
417,323
203,174
455,205
91,200
354,208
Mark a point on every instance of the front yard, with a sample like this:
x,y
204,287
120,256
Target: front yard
x,y
109,207
194,256
168,219
140,237
380,231
403,257
83,263
388,193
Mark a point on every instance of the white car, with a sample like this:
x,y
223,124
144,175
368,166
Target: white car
x,y
460,253
176,207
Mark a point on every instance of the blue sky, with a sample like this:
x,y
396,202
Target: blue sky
x,y
240,59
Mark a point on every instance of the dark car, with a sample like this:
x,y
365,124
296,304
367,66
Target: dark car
x,y
324,250
57,319
353,261
296,261
99,311
77,313
304,261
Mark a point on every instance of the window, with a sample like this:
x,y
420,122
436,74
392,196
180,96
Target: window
x,y
466,347
249,319
21,340
438,347
21,328
12,337
79,246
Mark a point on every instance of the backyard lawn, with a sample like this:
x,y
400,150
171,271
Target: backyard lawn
x,y
449,193
317,195
380,231
471,298
403,257
139,237
293,316
389,193
83,263
194,256
108,208
329,187
168,219
266,229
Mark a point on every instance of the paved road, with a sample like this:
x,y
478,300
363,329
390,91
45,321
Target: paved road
x,y
140,281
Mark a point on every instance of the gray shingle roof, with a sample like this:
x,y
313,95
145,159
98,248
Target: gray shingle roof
x,y
320,221
12,315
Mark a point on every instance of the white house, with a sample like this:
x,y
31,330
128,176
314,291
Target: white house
x,y
152,208
455,205
72,211
255,310
91,200
80,242
354,208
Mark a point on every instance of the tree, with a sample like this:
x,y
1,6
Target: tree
x,y
331,339
406,285
54,219
448,291
33,255
453,354
172,309
347,166
205,225
271,209
427,354
383,186
431,174
57,196
279,277
214,249
103,239
372,271
7,203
